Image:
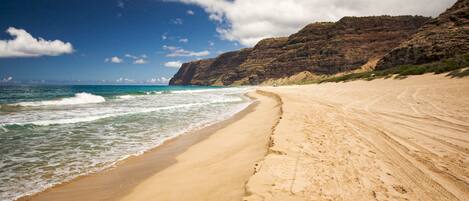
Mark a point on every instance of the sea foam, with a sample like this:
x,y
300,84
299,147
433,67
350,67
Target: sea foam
x,y
73,140
79,98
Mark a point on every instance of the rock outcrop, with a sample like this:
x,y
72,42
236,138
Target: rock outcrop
x,y
319,48
443,37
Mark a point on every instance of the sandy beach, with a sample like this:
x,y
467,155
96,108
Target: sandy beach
x,y
386,139
221,157
234,100
218,167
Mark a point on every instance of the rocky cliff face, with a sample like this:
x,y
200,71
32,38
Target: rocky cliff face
x,y
319,48
443,37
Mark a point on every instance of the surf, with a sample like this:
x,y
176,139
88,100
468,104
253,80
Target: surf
x,y
79,98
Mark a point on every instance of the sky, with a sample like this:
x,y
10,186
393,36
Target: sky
x,y
146,41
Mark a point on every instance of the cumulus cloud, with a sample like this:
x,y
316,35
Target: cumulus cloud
x,y
180,52
190,12
173,64
25,45
140,61
248,21
183,40
114,59
136,59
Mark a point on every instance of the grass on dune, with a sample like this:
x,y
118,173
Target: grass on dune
x,y
453,65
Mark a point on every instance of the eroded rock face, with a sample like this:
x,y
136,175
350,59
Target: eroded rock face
x,y
443,37
192,73
319,48
329,48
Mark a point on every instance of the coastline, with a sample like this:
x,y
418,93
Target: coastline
x,y
116,182
386,139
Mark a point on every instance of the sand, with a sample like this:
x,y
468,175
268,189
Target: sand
x,y
385,139
221,157
218,167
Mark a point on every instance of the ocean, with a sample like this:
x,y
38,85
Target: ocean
x,y
51,134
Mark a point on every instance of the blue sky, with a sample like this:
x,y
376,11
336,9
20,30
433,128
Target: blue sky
x,y
108,28
145,41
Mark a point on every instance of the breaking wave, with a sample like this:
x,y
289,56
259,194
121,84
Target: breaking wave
x,y
79,98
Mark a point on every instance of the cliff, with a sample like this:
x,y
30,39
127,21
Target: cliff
x,y
443,37
319,48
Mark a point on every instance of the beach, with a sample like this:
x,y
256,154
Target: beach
x,y
386,139
212,163
234,100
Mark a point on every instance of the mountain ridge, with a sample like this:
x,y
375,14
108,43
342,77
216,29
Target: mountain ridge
x,y
322,48
440,38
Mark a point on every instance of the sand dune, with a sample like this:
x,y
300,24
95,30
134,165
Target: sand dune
x,y
385,139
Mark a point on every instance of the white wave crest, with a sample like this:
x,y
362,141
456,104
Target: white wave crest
x,y
156,92
193,91
79,98
90,118
235,90
125,97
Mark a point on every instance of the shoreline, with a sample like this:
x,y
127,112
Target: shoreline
x,y
115,182
385,139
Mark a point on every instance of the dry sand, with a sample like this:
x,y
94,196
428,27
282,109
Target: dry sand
x,y
385,139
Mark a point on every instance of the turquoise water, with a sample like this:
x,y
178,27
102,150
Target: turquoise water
x,y
51,134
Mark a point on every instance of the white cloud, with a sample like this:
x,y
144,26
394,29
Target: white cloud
x,y
140,61
158,80
190,12
125,80
180,52
183,40
211,44
173,64
6,79
131,56
25,45
137,59
177,21
164,37
114,59
248,21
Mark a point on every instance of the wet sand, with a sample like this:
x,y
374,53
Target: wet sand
x,y
386,139
209,149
